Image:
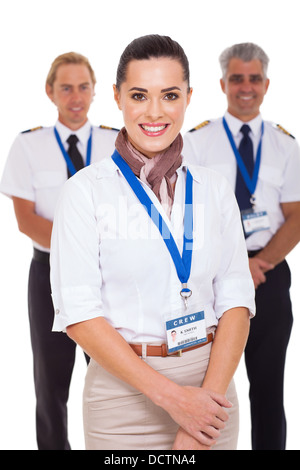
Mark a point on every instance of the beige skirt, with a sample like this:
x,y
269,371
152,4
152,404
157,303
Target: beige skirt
x,y
118,417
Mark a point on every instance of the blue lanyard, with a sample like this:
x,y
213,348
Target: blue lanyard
x,y
182,263
69,162
251,183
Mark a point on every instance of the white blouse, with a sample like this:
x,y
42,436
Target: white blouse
x,y
108,258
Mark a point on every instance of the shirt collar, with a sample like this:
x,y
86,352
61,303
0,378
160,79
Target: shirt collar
x,y
83,133
235,124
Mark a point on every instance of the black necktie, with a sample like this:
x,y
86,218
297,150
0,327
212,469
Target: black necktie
x,y
74,153
246,151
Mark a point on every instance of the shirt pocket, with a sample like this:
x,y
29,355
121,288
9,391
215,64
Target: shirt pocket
x,y
47,187
269,187
48,179
271,176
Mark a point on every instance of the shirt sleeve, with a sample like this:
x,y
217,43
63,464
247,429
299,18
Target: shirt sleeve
x,y
189,150
233,284
290,191
75,270
17,175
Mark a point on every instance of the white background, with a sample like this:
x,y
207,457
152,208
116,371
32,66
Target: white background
x,y
32,34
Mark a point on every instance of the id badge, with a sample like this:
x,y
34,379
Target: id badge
x,y
186,331
255,221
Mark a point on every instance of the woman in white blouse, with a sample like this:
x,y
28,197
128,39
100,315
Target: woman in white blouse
x,y
161,298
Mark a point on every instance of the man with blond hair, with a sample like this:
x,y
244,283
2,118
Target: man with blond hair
x,y
39,163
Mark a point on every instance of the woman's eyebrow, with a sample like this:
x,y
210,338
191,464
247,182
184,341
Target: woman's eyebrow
x,y
170,89
164,90
138,89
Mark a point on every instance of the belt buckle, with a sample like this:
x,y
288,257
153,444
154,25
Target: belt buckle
x,y
174,354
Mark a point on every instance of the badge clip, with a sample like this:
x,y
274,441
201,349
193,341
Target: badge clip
x,y
253,200
185,294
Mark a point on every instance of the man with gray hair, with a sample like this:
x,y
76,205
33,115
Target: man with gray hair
x,y
262,163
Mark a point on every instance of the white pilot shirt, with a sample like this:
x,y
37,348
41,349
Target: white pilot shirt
x,y
36,169
278,180
109,260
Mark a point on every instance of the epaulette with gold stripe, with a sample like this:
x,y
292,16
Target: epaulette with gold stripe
x,y
279,127
200,126
109,128
32,130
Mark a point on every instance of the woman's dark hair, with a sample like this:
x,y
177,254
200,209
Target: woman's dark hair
x,y
152,46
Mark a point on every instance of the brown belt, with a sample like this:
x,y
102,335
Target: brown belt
x,y
162,350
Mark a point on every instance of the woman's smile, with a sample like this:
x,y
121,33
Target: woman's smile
x,y
154,130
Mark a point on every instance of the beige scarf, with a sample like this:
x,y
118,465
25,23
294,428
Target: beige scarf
x,y
159,172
